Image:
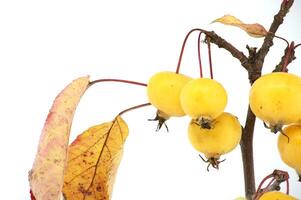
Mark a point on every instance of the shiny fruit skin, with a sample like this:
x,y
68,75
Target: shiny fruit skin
x,y
222,138
290,151
275,195
163,91
275,98
203,98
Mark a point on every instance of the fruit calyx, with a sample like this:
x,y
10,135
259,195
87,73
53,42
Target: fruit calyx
x,y
203,122
161,117
275,129
212,161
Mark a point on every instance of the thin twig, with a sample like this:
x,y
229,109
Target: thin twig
x,y
116,80
133,108
222,43
210,59
199,54
183,47
283,39
277,177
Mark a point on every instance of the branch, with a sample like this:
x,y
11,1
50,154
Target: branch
x,y
253,64
268,41
246,145
289,56
222,43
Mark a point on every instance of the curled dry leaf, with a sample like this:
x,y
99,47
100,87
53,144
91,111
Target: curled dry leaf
x,y
46,175
93,159
254,30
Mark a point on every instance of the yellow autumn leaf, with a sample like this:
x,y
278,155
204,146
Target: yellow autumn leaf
x,y
93,159
46,175
254,30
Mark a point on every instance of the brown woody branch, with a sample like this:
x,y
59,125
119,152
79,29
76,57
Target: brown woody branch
x,y
222,43
268,41
253,64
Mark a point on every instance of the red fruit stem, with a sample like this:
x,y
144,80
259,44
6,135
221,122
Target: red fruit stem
x,y
278,177
260,191
199,54
288,55
262,182
134,108
269,184
281,38
209,55
183,47
117,80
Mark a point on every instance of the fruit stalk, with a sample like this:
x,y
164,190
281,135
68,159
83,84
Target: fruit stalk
x,y
133,108
183,48
199,54
117,80
210,59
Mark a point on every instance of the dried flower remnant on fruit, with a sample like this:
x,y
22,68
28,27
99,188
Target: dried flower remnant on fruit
x,y
161,117
212,161
275,129
204,123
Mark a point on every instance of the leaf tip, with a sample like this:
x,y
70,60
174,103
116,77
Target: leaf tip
x,y
31,195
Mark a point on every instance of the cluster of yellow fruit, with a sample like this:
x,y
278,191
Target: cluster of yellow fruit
x,y
211,131
275,98
272,195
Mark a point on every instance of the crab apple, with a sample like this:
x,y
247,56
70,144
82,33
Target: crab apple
x,y
290,151
221,138
275,98
203,99
163,91
275,195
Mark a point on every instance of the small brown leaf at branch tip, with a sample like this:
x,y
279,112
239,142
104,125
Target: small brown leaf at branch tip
x,y
93,160
254,30
46,175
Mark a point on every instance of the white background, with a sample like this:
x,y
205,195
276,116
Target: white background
x,y
46,44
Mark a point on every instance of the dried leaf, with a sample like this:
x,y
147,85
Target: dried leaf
x,y
93,159
46,175
228,20
254,30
